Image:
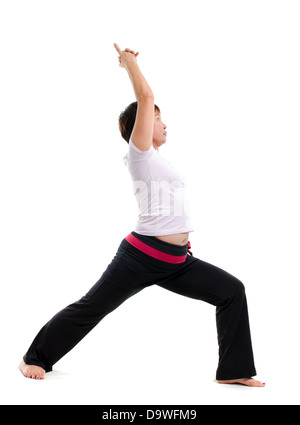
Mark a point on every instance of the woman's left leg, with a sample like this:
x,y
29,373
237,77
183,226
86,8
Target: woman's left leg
x,y
206,282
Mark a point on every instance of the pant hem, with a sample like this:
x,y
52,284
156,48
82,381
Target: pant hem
x,y
37,363
239,376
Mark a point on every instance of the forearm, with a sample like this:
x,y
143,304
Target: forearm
x,y
140,86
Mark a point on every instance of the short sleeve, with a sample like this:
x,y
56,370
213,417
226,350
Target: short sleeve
x,y
136,154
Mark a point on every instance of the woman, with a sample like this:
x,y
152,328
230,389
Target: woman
x,y
157,252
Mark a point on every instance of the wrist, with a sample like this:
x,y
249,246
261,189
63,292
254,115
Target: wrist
x,y
131,66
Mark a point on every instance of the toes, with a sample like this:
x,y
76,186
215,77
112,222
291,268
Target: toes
x,y
32,372
255,383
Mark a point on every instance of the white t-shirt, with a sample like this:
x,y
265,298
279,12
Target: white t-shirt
x,y
160,193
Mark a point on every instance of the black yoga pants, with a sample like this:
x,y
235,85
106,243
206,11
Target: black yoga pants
x,y
130,271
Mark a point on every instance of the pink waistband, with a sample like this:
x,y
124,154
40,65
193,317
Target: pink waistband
x,y
159,255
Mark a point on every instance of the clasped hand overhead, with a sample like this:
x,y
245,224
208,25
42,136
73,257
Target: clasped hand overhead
x,y
126,56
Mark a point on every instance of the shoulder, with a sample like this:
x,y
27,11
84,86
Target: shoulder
x,y
135,153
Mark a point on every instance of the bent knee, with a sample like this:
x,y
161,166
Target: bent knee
x,y
238,287
234,287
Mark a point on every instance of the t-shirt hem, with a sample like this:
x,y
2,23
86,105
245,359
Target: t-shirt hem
x,y
163,233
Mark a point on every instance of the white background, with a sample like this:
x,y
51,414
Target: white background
x,y
226,77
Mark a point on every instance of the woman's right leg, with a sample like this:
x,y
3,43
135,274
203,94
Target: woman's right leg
x,y
74,322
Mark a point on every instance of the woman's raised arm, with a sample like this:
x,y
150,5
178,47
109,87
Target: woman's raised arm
x,y
142,133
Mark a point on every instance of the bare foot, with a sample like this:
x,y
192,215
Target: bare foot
x,y
31,371
249,382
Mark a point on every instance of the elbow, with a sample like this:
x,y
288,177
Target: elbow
x,y
146,96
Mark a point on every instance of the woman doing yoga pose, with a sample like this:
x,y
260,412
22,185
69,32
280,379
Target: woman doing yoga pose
x,y
157,252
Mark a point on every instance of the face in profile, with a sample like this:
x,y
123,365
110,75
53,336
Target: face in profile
x,y
159,131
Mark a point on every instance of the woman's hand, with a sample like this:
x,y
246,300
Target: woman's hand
x,y
126,56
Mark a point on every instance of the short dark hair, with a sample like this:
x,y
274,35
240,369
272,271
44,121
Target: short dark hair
x,y
127,120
